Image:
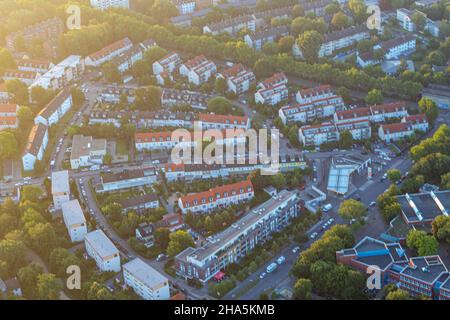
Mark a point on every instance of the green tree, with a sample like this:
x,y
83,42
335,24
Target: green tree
x,y
398,294
42,238
419,20
97,291
8,145
18,90
394,175
346,140
309,43
111,73
441,228
220,105
285,43
25,115
425,245
31,193
445,181
303,289
220,85
374,97
28,277
179,240
41,96
48,287
6,60
340,20
352,209
429,108
263,68
13,253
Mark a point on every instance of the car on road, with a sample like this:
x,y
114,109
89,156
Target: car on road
x,y
271,267
325,225
281,259
161,257
313,235
262,275
327,207
330,221
372,204
296,249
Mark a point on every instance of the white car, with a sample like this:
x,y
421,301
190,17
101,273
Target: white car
x,y
262,275
296,249
313,235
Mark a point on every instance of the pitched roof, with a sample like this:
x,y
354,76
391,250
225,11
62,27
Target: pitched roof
x,y
225,119
110,49
353,113
12,73
416,118
134,201
34,63
396,127
310,92
388,107
8,120
55,104
8,107
35,139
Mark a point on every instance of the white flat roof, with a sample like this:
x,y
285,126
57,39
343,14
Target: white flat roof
x,y
60,181
72,212
146,274
101,243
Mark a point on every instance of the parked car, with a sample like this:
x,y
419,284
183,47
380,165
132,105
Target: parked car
x,y
281,259
327,207
296,249
313,235
262,275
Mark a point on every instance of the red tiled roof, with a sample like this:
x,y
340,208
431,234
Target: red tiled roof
x,y
8,108
195,61
312,104
219,118
149,136
353,113
2,87
178,296
12,73
9,120
218,192
274,79
35,63
314,91
233,71
417,118
396,127
110,48
173,167
388,107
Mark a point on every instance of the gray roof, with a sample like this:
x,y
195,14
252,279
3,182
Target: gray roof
x,y
135,201
35,139
428,269
145,273
72,212
126,175
56,102
101,243
60,181
426,204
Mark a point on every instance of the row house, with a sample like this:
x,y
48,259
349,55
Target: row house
x,y
231,25
100,248
59,76
169,63
109,52
214,198
238,78
273,90
185,6
36,65
140,203
384,112
258,39
47,30
126,179
160,141
126,60
173,97
107,4
198,70
418,122
219,121
238,240
35,147
350,115
315,135
312,95
113,95
27,77
419,276
360,129
395,131
87,151
74,220
8,116
55,109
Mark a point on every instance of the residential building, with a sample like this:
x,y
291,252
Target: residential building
x,y
4,94
384,112
395,131
103,251
235,242
418,122
35,146
422,208
426,3
238,78
360,129
258,39
185,6
404,17
173,97
146,282
46,30
444,292
27,77
219,121
171,221
36,65
163,119
8,116
87,151
127,179
127,59
74,220
160,141
108,53
144,233
311,95
272,90
351,115
168,63
59,76
315,135
439,94
140,203
113,94
106,4
12,286
60,188
55,109
217,197
231,26
198,70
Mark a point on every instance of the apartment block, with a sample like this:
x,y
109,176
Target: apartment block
x,y
384,112
108,53
60,188
217,197
173,97
35,146
140,203
169,64
418,122
359,129
395,131
74,220
87,151
35,65
272,90
125,61
107,4
160,141
185,6
145,281
258,39
315,135
238,78
55,109
235,242
103,251
27,77
8,116
198,70
221,122
126,179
